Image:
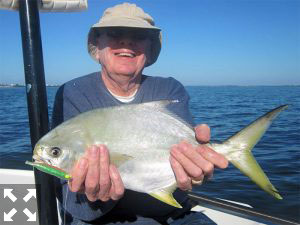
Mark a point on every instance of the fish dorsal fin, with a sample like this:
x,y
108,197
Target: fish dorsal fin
x,y
118,158
161,106
166,195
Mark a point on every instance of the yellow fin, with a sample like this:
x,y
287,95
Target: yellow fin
x,y
166,197
243,142
119,158
249,166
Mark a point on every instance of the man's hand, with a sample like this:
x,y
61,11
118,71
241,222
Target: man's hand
x,y
96,177
191,164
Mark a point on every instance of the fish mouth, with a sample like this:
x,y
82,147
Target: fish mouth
x,y
37,155
38,159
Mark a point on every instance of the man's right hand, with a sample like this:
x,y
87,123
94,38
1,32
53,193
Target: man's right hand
x,y
95,176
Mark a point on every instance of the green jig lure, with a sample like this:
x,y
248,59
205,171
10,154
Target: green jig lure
x,y
50,170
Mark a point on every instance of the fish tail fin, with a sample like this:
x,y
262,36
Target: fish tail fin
x,y
241,144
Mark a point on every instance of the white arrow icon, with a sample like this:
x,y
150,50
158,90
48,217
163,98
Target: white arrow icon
x,y
7,193
31,216
31,193
8,216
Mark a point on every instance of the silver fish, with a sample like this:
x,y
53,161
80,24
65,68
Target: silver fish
x,y
139,138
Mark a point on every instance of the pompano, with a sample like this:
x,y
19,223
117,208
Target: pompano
x,y
139,138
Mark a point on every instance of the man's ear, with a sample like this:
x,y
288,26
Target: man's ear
x,y
97,55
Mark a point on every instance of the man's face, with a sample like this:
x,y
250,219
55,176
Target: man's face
x,y
124,51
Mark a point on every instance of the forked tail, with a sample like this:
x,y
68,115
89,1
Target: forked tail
x,y
239,148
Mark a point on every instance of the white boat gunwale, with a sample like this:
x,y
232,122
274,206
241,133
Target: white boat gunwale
x,y
18,176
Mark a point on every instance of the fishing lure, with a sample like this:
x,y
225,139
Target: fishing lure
x,y
50,170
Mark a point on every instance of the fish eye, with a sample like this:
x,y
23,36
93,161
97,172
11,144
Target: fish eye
x,y
55,151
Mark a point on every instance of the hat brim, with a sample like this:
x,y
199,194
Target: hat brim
x,y
125,22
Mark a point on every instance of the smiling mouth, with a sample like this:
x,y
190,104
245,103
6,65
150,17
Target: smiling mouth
x,y
125,54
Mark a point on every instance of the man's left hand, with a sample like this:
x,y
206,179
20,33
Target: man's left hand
x,y
191,164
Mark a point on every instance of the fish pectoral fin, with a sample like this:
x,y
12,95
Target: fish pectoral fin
x,y
165,196
118,158
249,166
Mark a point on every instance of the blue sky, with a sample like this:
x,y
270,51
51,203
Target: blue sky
x,y
205,42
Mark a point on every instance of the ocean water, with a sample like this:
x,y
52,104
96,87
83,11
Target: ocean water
x,y
226,109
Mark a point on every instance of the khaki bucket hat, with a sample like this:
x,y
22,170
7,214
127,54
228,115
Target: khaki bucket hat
x,y
126,15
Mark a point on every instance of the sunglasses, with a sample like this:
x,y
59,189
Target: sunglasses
x,y
135,34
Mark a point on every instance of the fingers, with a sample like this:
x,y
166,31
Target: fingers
x,y
202,132
111,185
104,180
192,162
92,177
96,177
78,175
210,155
183,180
117,187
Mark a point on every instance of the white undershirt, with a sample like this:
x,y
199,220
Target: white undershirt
x,y
124,99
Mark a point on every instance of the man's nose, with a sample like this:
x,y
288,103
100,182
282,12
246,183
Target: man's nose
x,y
126,40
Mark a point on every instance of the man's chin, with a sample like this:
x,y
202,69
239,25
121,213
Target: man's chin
x,y
127,72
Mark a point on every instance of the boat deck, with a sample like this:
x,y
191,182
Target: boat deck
x,y
14,176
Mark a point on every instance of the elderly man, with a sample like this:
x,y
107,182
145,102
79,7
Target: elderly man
x,y
124,42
